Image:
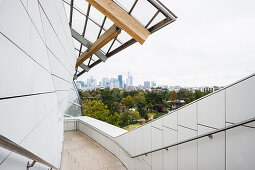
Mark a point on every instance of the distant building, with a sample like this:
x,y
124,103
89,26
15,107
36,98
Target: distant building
x,y
153,84
80,84
105,81
147,85
129,82
209,89
120,81
91,83
163,86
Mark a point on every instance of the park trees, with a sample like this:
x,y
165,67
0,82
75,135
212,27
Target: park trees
x,y
97,110
128,101
140,103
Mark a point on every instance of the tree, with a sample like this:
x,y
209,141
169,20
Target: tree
x,y
125,118
198,94
109,99
128,102
97,110
187,100
135,115
182,94
140,103
173,96
150,107
114,119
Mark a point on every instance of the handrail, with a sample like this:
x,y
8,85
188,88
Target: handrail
x,y
12,146
209,134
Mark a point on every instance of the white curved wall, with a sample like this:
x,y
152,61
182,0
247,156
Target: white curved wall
x,y
36,71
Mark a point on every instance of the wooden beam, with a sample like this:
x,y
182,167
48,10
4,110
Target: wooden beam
x,y
110,34
122,19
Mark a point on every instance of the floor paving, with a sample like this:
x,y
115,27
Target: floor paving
x,y
80,152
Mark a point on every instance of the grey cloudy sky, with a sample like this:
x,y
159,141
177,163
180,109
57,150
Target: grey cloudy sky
x,y
211,43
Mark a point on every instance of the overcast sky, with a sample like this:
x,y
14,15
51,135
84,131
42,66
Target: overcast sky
x,y
211,43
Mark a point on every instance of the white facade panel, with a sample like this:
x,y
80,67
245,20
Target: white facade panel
x,y
170,159
38,50
169,136
240,102
20,70
211,110
139,141
187,156
170,120
147,130
157,160
156,138
138,164
211,151
185,133
147,160
187,116
240,149
157,124
32,8
15,23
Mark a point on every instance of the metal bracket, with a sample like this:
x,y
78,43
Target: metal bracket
x,y
30,165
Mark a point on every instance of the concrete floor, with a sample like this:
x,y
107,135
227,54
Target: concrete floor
x,y
82,153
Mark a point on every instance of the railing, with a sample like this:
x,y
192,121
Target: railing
x,y
209,134
12,146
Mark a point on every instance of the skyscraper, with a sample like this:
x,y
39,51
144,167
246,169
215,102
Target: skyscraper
x,y
147,84
120,81
129,80
153,84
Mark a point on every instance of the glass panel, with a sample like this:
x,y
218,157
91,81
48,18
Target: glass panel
x,y
143,16
73,110
73,105
78,21
73,97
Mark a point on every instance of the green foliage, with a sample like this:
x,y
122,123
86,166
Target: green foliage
x,y
109,98
150,107
184,93
128,102
140,103
173,96
95,109
125,118
135,115
187,100
114,119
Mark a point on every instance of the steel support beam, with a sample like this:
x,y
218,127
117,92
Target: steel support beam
x,y
87,44
84,67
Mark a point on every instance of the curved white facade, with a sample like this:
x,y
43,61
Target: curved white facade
x,y
37,68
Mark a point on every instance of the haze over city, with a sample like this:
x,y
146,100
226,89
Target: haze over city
x,y
199,49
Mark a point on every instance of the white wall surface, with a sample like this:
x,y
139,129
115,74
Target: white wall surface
x,y
230,150
36,70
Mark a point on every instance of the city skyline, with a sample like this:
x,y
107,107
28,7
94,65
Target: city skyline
x,y
119,82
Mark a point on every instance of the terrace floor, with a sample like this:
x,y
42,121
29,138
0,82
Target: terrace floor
x,y
80,152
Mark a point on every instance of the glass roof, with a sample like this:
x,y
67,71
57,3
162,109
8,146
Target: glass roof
x,y
88,22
